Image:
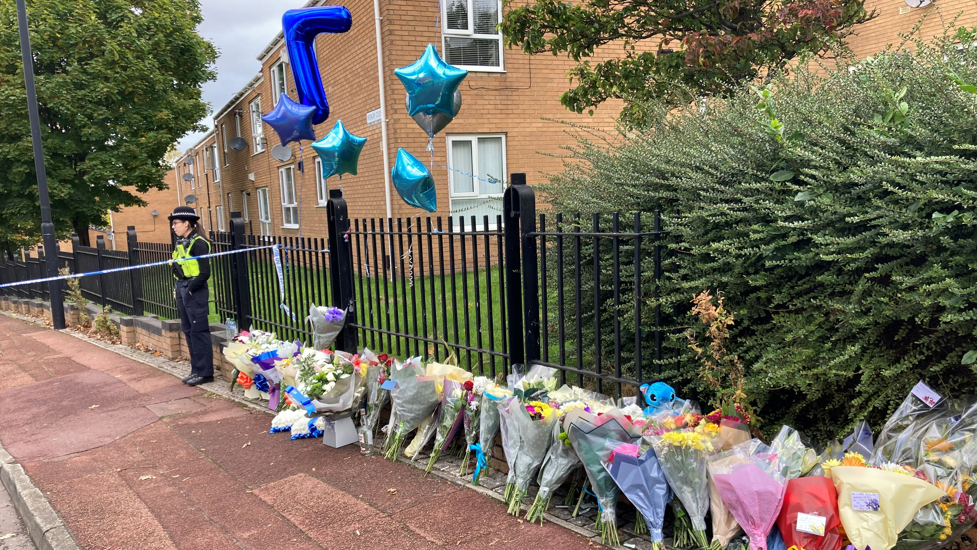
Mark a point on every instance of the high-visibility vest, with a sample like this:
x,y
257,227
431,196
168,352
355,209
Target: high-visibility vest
x,y
191,268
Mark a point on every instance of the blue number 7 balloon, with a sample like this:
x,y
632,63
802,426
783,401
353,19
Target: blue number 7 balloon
x,y
301,26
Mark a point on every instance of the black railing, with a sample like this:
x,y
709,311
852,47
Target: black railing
x,y
306,280
442,295
580,294
157,281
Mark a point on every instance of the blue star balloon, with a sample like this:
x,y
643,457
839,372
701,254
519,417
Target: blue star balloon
x,y
339,151
292,121
431,84
413,182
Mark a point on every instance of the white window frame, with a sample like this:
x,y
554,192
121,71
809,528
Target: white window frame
x,y
321,188
220,218
470,33
257,126
278,88
473,139
264,213
230,207
224,143
216,163
244,206
289,169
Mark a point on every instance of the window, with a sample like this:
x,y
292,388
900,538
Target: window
x,y
220,218
257,126
213,162
224,143
244,206
477,172
290,209
471,40
229,205
320,183
264,212
279,85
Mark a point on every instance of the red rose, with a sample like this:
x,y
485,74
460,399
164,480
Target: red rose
x,y
469,385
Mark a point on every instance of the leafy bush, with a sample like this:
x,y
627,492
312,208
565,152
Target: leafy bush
x,y
836,219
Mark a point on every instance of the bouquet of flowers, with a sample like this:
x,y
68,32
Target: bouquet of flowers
x,y
639,475
809,517
875,505
472,420
491,423
682,455
240,351
376,395
560,460
724,527
326,324
796,459
414,398
452,414
589,436
441,373
533,422
750,482
332,382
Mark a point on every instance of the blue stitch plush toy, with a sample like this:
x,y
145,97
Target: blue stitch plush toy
x,y
658,396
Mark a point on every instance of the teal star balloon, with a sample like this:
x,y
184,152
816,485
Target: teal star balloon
x,y
431,84
339,151
413,182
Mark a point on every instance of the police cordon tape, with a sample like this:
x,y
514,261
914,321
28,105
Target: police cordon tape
x,y
277,261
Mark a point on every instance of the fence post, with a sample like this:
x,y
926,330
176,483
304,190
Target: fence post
x,y
522,281
75,245
40,271
135,275
99,247
241,285
341,267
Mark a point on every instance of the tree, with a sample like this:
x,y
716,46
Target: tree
x,y
118,82
707,47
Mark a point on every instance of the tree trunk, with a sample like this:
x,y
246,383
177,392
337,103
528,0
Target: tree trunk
x,y
82,231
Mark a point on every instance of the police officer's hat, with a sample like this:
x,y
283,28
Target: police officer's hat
x,y
184,213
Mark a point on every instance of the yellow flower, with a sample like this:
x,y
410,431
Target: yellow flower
x,y
669,424
688,440
828,464
707,428
853,459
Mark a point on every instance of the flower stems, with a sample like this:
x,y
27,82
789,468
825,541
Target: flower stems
x,y
463,470
608,531
540,506
515,504
395,442
435,455
640,527
583,492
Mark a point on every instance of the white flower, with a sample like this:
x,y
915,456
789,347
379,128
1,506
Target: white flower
x,y
328,387
344,376
479,384
330,377
634,411
456,393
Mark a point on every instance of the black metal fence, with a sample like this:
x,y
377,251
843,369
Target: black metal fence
x,y
580,294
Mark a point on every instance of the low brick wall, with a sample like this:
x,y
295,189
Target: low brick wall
x,y
165,337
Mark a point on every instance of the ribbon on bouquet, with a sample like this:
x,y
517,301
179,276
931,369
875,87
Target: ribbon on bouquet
x,y
481,461
301,399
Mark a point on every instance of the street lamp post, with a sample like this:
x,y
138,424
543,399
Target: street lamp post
x,y
47,226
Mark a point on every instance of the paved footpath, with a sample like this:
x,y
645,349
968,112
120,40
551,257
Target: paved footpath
x,y
131,458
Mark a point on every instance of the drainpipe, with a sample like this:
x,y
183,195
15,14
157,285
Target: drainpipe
x,y
383,108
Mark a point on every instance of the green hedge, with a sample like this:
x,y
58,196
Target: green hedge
x,y
844,240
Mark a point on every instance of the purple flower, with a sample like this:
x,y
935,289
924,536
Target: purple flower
x,y
333,315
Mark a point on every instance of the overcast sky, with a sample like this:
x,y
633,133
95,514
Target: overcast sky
x,y
240,29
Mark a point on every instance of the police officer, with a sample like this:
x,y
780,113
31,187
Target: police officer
x,y
192,293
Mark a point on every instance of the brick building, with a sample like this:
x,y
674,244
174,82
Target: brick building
x,y
504,125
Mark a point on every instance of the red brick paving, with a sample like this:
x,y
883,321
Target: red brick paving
x,y
197,472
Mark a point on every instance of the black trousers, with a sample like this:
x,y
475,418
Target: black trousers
x,y
194,311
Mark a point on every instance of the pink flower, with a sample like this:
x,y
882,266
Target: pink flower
x,y
628,449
